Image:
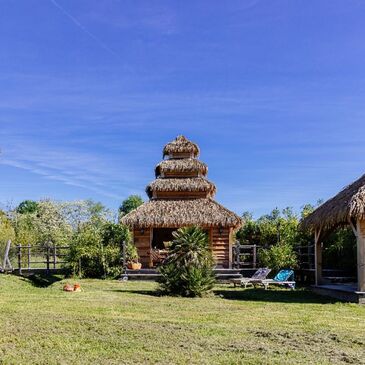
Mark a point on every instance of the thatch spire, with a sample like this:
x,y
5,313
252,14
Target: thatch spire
x,y
347,204
181,147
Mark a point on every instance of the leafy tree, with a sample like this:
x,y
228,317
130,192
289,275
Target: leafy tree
x,y
277,257
188,269
46,225
27,206
129,204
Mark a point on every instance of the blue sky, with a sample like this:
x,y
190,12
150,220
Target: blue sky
x,y
91,90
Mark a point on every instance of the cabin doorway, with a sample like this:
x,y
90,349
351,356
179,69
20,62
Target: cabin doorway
x,y
161,235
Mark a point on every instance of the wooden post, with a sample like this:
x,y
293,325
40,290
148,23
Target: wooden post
x,y
54,256
254,256
124,257
360,228
20,259
47,257
28,256
317,257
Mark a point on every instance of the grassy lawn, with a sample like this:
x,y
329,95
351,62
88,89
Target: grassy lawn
x,y
126,323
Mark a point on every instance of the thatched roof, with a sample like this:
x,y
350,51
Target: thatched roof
x,y
349,203
178,213
181,184
182,166
181,145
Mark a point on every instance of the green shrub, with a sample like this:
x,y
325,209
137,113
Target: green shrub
x,y
279,256
131,252
96,250
188,269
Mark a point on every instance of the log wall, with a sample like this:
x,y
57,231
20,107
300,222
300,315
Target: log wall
x,y
222,246
143,244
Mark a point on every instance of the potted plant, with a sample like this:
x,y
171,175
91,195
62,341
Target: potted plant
x,y
132,257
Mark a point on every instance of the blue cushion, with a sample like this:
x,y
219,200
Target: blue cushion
x,y
283,275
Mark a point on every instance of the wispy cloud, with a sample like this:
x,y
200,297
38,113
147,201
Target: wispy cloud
x,y
82,28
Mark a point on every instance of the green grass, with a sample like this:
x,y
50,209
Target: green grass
x,y
126,323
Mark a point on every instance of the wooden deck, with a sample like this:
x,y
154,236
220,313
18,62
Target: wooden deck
x,y
345,292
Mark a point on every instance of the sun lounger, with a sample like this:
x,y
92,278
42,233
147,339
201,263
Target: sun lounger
x,y
256,278
283,277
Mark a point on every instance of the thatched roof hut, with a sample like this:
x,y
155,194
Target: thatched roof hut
x,y
347,207
181,195
348,204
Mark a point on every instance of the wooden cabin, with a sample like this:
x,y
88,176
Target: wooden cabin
x,y
346,208
181,195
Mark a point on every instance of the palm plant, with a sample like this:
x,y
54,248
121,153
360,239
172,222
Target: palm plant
x,y
188,269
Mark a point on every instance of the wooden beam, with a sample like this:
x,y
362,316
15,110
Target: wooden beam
x,y
360,228
353,227
317,257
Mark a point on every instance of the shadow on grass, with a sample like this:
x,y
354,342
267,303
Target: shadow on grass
x,y
255,295
152,293
283,296
43,280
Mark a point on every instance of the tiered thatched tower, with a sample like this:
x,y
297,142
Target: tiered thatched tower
x,y
181,196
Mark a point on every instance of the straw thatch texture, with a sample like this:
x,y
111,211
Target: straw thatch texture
x,y
349,203
181,145
181,184
179,213
185,165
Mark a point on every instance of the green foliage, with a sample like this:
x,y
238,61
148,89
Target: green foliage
x,y
27,206
273,228
188,269
277,257
96,250
129,204
284,228
339,250
131,253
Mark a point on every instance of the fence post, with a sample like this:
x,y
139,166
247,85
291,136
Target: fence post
x,y
47,257
54,256
124,275
29,256
124,256
254,256
19,259
237,255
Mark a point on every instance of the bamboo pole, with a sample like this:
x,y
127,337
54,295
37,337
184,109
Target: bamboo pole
x,y
360,228
317,257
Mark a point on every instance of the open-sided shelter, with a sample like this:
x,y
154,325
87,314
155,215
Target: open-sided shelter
x,y
346,208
